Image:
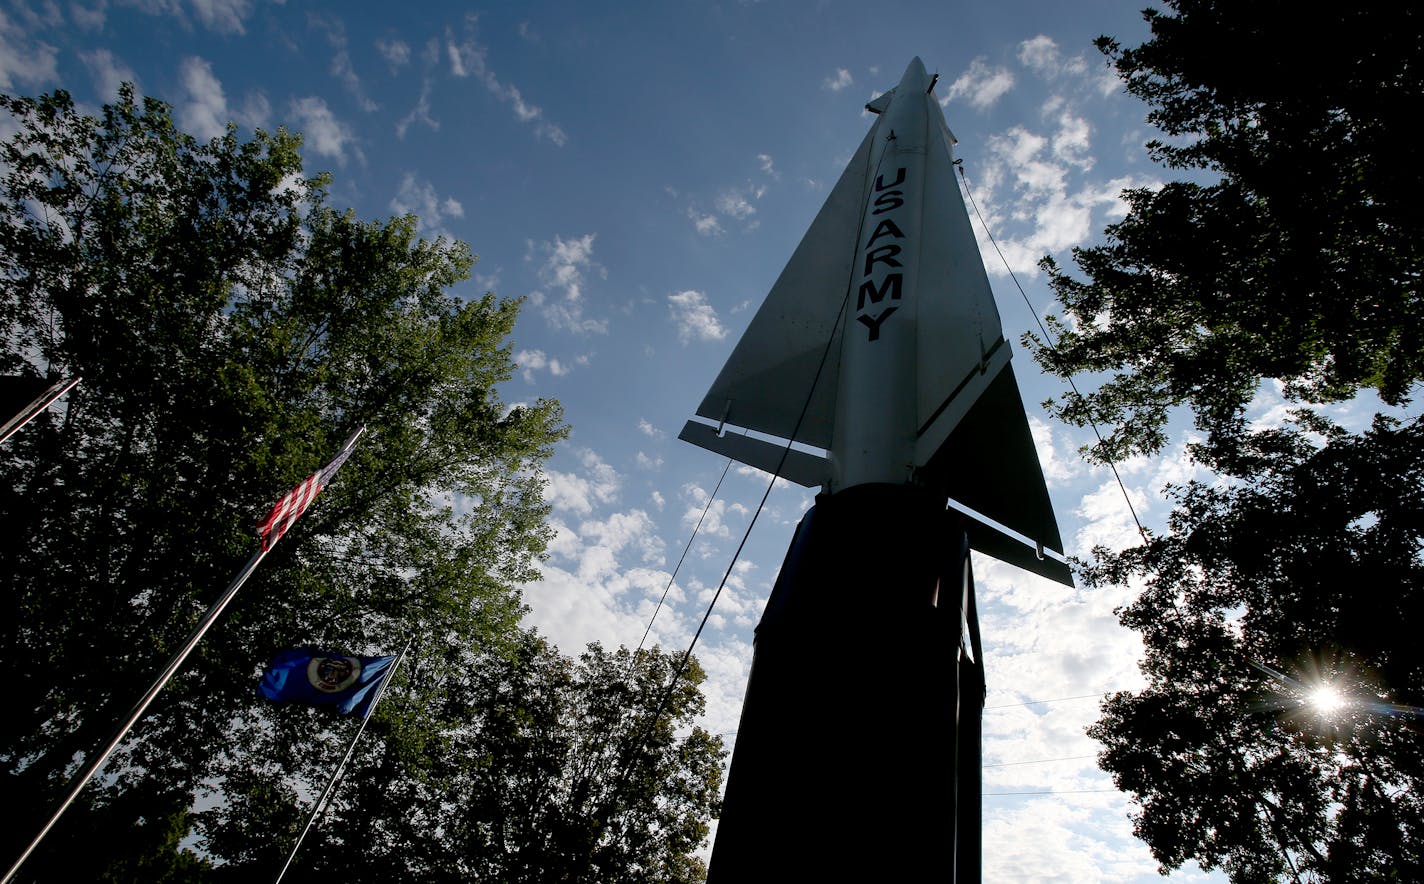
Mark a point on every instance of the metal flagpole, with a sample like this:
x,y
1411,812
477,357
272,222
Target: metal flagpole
x,y
33,410
336,774
139,708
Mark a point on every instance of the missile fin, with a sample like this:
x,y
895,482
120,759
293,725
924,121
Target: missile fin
x,y
770,373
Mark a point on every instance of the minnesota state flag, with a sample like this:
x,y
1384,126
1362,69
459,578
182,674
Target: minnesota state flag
x,y
304,675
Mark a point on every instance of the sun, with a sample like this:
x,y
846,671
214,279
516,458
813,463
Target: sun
x,y
1326,699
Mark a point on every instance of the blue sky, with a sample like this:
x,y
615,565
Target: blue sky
x,y
640,172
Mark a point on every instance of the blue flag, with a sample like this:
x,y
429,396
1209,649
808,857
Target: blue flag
x,y
304,675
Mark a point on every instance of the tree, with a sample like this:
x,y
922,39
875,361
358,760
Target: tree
x,y
1289,252
231,329
1293,251
524,771
1313,568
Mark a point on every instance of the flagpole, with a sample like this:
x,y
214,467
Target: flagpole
x,y
336,774
139,708
33,410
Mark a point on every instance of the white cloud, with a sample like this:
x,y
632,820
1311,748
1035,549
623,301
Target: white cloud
x,y
839,81
1041,176
321,131
647,462
735,204
205,112
711,514
468,58
222,16
88,19
695,318
1058,466
566,263
420,113
767,166
1040,55
108,72
218,16
395,52
707,225
530,361
23,59
341,67
578,493
418,197
647,429
980,85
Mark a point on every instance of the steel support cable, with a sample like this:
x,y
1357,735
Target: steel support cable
x,y
627,760
959,164
666,589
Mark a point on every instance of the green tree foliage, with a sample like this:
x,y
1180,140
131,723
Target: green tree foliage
x,y
528,776
1294,250
1290,252
231,329
1313,569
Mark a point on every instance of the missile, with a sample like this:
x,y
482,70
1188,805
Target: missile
x,y
876,370
880,345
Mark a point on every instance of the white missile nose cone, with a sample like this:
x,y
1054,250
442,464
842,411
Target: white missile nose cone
x,y
915,80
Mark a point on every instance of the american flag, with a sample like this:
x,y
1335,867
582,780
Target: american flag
x,y
296,501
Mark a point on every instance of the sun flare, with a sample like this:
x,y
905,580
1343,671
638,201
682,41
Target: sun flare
x,y
1326,699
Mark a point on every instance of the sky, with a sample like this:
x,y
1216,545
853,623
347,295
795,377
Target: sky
x,y
639,173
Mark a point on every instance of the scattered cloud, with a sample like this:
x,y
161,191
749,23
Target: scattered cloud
x,y
1042,56
980,85
23,59
734,205
531,361
395,52
341,67
647,429
322,133
565,266
838,81
418,197
767,167
711,513
704,223
420,113
222,16
87,19
1040,180
205,113
218,16
694,317
108,72
468,58
577,493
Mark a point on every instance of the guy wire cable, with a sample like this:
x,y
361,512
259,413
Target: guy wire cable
x,y
959,164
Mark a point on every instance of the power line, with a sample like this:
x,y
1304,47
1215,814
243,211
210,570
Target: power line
x,y
1037,702
1039,761
1051,792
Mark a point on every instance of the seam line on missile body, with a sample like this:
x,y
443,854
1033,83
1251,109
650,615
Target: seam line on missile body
x,y
1052,344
